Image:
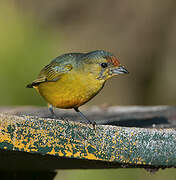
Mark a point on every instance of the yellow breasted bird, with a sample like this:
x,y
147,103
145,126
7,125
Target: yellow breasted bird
x,y
72,79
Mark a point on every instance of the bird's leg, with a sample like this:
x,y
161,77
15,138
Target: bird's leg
x,y
82,115
50,107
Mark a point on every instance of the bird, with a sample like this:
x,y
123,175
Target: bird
x,y
70,80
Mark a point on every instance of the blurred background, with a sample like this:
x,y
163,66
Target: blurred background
x,y
142,34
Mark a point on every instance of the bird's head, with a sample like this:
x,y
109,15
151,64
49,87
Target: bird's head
x,y
101,64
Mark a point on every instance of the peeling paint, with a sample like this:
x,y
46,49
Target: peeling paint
x,y
137,146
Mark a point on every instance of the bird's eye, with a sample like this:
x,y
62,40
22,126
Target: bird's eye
x,y
104,65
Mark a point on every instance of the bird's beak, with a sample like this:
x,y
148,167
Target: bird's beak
x,y
119,70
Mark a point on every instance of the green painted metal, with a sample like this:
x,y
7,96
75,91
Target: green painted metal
x,y
124,145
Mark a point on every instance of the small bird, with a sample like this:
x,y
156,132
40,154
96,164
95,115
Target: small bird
x,y
72,79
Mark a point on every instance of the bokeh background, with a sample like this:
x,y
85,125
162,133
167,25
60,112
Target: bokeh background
x,y
142,34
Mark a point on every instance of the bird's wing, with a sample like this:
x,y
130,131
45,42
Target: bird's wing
x,y
53,71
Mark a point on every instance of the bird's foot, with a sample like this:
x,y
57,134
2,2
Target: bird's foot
x,y
94,125
85,118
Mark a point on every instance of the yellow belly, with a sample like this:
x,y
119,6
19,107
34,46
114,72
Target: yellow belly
x,y
71,90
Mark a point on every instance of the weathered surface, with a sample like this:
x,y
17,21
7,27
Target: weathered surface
x,y
72,144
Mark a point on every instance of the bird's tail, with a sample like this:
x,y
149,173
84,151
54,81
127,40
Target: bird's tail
x,y
33,85
29,86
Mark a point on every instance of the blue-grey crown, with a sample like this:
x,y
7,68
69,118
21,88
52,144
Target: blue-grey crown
x,y
97,54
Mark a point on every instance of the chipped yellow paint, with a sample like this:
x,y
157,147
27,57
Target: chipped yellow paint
x,y
132,133
5,138
52,152
91,156
60,153
77,154
68,153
